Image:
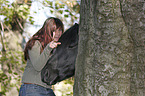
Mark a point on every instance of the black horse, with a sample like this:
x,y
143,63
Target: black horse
x,y
61,65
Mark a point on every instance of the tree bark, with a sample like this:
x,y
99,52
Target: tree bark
x,y
110,59
133,16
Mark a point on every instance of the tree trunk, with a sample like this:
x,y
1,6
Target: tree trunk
x,y
110,59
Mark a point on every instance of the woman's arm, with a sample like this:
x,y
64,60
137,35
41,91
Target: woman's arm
x,y
39,60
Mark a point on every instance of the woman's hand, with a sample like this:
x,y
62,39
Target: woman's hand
x,y
54,44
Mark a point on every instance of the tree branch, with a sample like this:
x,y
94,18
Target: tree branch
x,y
3,46
20,25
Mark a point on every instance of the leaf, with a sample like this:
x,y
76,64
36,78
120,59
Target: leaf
x,y
65,15
60,11
70,13
51,11
10,71
61,5
15,73
66,10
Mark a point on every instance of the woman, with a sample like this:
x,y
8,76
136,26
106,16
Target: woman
x,y
37,52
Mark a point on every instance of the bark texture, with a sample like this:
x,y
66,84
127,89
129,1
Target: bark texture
x,y
110,59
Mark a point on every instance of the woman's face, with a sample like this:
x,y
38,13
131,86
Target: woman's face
x,y
57,34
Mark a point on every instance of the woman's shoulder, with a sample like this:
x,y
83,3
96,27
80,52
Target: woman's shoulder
x,y
36,47
36,44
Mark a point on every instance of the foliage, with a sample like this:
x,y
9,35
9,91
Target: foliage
x,y
68,10
11,60
14,13
64,88
12,64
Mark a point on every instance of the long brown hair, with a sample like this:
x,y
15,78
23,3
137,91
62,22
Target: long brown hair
x,y
44,35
